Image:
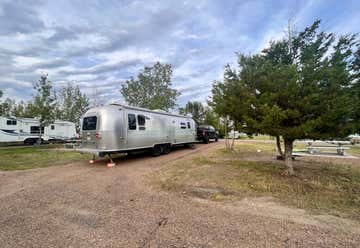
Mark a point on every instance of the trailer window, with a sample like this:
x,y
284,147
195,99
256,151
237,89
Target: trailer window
x,y
182,125
188,125
52,127
89,123
36,129
11,122
141,120
132,121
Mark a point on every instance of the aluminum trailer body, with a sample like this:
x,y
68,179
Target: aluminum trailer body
x,y
119,128
26,130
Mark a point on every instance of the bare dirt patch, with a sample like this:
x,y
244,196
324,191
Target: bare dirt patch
x,y
253,171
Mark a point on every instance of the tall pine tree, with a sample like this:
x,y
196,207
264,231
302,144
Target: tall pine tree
x,y
299,87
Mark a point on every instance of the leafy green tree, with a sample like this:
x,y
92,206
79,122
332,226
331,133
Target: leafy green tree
x,y
6,107
203,115
10,107
230,101
151,89
213,119
20,109
1,104
196,110
43,105
71,104
297,88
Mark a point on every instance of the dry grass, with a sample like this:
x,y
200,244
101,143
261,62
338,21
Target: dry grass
x,y
355,150
321,187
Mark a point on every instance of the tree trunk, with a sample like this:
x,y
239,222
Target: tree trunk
x,y
226,135
233,141
278,145
39,140
289,171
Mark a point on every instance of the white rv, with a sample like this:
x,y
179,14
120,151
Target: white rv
x,y
236,135
26,130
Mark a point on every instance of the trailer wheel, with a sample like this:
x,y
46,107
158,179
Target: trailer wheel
x,y
216,138
166,149
29,141
157,150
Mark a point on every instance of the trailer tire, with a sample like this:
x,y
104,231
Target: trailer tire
x,y
167,149
157,150
216,138
29,141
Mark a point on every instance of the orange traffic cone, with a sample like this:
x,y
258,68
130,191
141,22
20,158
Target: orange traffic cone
x,y
109,165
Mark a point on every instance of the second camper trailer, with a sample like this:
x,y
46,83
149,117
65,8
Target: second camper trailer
x,y
26,130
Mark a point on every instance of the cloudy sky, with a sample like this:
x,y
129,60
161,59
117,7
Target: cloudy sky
x,y
99,44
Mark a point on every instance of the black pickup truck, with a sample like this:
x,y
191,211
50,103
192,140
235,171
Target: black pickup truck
x,y
206,132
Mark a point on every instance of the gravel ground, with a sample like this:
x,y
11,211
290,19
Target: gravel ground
x,y
82,205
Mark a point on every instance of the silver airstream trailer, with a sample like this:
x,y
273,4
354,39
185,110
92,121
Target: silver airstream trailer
x,y
118,128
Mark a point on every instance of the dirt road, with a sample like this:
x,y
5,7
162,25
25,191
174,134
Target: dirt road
x,y
82,205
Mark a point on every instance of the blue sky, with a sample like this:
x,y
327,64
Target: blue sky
x,y
99,44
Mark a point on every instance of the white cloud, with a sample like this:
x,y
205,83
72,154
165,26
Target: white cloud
x,y
23,61
99,44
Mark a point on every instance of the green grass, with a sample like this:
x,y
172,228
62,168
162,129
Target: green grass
x,y
318,187
260,137
354,150
34,157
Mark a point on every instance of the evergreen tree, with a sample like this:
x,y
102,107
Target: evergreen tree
x,y
302,87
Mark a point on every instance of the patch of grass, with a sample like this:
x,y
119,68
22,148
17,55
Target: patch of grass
x,y
323,188
354,150
261,137
24,158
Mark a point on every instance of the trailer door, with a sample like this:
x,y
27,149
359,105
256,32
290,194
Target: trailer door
x,y
132,133
89,134
171,131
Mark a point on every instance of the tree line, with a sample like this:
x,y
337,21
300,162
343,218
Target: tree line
x,y
152,89
303,86
47,105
